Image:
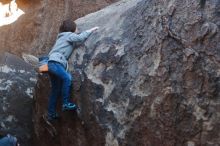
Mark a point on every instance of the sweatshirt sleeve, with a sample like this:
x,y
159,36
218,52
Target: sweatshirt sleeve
x,y
79,37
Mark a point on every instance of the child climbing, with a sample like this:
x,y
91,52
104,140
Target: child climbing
x,y
58,64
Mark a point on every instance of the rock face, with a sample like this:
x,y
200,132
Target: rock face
x,y
17,80
151,77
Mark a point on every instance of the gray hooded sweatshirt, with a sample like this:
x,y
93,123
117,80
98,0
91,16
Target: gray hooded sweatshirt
x,y
65,43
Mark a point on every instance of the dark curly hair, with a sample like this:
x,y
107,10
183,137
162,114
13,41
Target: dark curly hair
x,y
68,26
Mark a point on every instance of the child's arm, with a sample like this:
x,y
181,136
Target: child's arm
x,y
82,36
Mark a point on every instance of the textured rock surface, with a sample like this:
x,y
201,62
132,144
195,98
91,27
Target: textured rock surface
x,y
151,76
17,81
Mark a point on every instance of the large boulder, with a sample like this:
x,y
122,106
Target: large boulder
x,y
151,77
17,81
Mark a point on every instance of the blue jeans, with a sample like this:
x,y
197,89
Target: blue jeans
x,y
61,85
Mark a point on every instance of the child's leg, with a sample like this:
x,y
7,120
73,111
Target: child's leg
x,y
55,92
58,70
